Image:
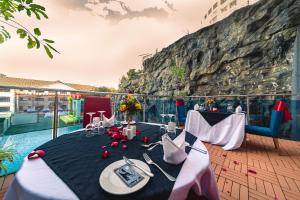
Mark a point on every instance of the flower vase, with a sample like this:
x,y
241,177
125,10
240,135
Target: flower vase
x,y
129,120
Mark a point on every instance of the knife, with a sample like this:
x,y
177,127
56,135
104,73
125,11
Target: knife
x,y
135,165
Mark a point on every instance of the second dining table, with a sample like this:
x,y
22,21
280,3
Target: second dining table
x,y
225,129
73,164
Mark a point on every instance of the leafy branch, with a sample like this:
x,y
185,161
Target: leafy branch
x,y
34,38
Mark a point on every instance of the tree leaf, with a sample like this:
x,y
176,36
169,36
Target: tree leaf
x,y
31,44
1,39
37,31
48,41
48,51
28,12
52,48
28,1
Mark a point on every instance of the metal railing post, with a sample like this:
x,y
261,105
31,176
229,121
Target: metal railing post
x,y
144,109
248,108
55,116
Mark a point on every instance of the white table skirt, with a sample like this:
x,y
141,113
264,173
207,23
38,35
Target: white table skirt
x,y
228,133
36,181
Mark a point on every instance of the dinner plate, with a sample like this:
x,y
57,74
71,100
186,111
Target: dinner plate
x,y
125,122
111,183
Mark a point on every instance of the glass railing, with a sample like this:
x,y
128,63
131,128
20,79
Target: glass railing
x,y
27,119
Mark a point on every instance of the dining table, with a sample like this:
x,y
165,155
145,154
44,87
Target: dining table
x,y
73,164
220,128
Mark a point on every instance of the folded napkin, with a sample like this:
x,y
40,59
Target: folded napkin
x,y
238,109
196,107
174,150
108,122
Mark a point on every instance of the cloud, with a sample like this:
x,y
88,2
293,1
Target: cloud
x,y
117,10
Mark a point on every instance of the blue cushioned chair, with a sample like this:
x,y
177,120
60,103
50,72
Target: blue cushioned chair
x,y
181,114
272,131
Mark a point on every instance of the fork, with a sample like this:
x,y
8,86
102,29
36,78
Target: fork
x,y
148,145
150,162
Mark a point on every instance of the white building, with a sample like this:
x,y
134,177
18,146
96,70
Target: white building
x,y
221,9
7,102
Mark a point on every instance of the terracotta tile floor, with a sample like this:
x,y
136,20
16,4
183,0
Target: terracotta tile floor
x,y
255,171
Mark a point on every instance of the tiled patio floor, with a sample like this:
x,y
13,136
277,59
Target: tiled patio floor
x,y
252,172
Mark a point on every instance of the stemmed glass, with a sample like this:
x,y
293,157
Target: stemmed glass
x,y
101,122
229,108
171,127
163,127
91,126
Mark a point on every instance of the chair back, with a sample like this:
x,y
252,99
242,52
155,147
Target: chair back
x,y
276,119
181,113
95,104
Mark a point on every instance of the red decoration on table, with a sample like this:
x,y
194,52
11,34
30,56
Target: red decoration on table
x,y
114,144
252,171
114,129
146,140
105,154
124,146
36,154
103,147
137,132
123,140
116,136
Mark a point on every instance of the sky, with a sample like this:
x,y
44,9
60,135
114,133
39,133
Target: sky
x,y
99,40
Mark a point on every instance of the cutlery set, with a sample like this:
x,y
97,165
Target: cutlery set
x,y
148,160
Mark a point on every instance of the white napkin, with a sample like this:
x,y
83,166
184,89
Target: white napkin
x,y
174,150
196,107
108,122
238,109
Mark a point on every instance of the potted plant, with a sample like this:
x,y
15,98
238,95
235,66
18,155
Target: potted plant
x,y
6,154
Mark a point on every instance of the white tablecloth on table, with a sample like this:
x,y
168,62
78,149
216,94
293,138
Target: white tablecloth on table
x,y
228,133
36,181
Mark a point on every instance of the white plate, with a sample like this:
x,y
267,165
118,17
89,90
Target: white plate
x,y
125,122
111,183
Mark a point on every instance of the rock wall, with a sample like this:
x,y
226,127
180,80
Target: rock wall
x,y
249,52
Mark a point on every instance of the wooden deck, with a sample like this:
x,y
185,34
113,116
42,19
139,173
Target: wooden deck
x,y
255,171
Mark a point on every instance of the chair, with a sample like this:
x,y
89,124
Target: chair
x,y
95,104
181,114
271,131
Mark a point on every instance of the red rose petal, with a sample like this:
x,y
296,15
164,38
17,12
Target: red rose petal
x,y
124,146
252,171
105,154
235,162
103,147
114,144
138,132
123,140
115,136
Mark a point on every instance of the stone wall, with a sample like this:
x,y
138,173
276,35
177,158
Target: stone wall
x,y
251,51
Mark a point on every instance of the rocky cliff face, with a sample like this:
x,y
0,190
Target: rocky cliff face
x,y
248,52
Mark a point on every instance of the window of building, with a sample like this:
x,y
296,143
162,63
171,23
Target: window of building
x,y
4,90
215,5
4,99
21,108
224,9
223,1
209,11
4,109
232,4
39,99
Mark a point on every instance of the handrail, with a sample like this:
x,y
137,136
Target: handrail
x,y
143,95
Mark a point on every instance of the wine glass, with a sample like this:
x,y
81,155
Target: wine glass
x,y
90,127
101,128
229,108
171,130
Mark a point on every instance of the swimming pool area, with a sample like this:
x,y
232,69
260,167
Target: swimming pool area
x,y
26,142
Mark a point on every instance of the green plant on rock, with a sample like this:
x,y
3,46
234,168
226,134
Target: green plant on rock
x,y
6,154
178,73
8,8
